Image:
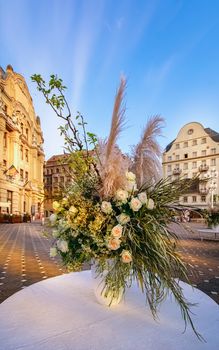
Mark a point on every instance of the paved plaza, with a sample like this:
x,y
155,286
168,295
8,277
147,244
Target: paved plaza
x,y
24,258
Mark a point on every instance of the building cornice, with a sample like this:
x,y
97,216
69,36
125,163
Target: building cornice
x,y
191,158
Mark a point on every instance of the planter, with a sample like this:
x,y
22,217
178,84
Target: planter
x,y
100,289
215,228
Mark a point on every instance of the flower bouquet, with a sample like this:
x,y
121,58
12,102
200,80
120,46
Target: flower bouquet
x,y
117,209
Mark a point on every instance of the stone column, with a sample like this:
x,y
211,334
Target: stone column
x,y
2,131
15,148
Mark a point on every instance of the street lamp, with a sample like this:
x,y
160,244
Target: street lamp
x,y
212,175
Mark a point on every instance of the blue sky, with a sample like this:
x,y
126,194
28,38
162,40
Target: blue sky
x,y
168,50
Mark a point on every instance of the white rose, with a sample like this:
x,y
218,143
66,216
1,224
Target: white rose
x,y
64,200
106,207
53,252
53,218
62,245
123,218
135,204
142,197
55,233
73,210
130,176
113,243
121,196
126,256
150,204
117,231
131,186
56,205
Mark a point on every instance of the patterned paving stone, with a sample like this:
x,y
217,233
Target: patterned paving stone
x,y
204,256
24,257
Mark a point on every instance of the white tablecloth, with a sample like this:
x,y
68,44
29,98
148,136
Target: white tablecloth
x,y
62,313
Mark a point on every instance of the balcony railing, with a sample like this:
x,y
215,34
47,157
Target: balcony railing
x,y
177,171
203,167
204,191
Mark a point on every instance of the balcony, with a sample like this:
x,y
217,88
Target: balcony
x,y
203,167
203,178
177,171
203,191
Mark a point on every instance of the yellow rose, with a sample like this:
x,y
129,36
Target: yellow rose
x,y
126,256
117,231
113,243
73,210
56,205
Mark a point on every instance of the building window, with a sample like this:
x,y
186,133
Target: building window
x,y
62,179
194,154
194,142
169,158
169,167
57,170
213,162
26,175
5,163
185,199
177,145
22,128
55,179
26,155
194,199
204,153
194,165
185,166
22,152
51,170
213,151
5,139
21,174
190,131
186,155
9,199
203,140
185,144
203,198
177,157
27,134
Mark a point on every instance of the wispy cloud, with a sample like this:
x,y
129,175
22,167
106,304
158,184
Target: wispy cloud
x,y
84,46
157,75
126,32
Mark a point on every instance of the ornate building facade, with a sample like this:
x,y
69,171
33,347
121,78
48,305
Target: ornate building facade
x,y
195,152
21,151
56,177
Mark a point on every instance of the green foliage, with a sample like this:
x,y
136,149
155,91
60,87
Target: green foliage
x,y
128,235
213,218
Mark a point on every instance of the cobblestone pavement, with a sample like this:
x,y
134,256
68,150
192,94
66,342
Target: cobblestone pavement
x,y
201,253
24,258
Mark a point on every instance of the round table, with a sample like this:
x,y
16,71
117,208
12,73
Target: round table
x,y
62,313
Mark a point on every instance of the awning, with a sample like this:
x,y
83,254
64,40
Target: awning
x,y
5,204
